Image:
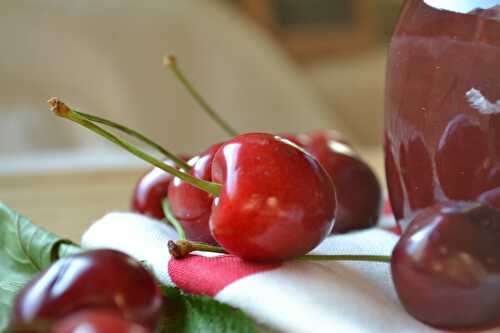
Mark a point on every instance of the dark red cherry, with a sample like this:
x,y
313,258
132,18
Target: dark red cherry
x,y
357,188
150,191
191,206
97,321
104,279
446,266
276,201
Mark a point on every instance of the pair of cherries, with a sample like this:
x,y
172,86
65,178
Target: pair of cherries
x,y
95,291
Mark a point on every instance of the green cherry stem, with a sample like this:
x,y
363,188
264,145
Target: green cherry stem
x,y
62,110
133,133
172,220
180,249
170,62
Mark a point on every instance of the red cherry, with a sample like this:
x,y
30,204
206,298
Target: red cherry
x,y
276,201
150,191
191,206
105,279
97,321
446,266
357,188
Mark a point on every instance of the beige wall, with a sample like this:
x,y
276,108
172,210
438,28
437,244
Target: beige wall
x,y
354,87
104,57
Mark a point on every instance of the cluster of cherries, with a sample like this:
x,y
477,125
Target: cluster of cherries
x,y
277,199
268,197
98,291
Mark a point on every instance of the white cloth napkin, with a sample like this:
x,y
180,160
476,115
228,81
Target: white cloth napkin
x,y
291,297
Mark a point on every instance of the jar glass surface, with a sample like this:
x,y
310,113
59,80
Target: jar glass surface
x,y
442,112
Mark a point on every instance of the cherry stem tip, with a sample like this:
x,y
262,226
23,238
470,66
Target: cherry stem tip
x,y
169,60
179,249
58,107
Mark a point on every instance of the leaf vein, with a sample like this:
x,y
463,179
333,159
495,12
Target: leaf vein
x,y
21,245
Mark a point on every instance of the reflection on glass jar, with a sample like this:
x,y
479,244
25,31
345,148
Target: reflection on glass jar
x,y
442,103
419,185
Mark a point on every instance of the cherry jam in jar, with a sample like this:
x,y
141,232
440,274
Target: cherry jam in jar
x,y
442,117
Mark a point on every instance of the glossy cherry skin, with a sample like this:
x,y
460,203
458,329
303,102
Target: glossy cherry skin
x,y
293,138
104,279
446,266
97,321
191,206
357,188
276,200
150,191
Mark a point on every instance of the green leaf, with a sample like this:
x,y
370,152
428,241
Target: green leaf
x,y
193,313
25,250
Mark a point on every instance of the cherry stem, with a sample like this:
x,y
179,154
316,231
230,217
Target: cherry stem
x,y
133,133
170,61
180,249
63,111
172,220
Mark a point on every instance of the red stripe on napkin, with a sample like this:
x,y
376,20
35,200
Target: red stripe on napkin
x,y
208,275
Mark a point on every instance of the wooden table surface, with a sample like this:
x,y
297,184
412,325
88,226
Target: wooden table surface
x,y
66,202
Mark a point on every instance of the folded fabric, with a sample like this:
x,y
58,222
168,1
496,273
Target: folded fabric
x,y
294,296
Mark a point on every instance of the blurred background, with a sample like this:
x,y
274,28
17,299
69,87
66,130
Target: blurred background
x,y
270,65
265,65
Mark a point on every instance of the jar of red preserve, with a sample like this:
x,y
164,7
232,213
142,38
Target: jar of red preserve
x,y
442,117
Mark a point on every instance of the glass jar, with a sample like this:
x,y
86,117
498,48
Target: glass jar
x,y
442,113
